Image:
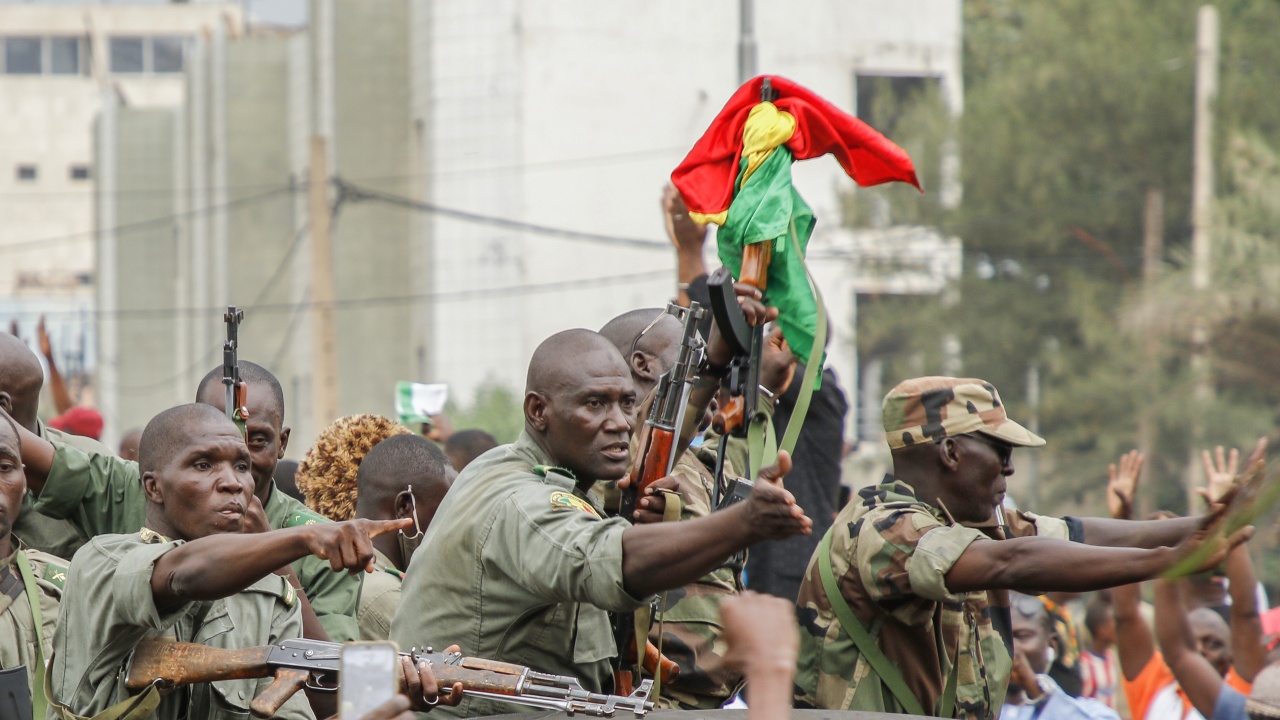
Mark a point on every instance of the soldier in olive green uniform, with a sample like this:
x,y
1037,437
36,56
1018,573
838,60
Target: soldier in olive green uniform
x,y
895,611
100,494
403,476
30,581
211,584
21,378
520,564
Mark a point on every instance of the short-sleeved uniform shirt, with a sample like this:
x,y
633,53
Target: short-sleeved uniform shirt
x,y
102,495
17,623
38,531
379,597
521,566
889,555
107,608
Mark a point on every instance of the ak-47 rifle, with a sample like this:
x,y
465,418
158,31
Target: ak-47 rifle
x,y
659,440
314,664
237,402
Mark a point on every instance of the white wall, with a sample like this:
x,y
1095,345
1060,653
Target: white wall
x,y
573,114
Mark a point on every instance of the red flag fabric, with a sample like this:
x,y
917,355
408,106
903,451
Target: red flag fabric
x,y
706,176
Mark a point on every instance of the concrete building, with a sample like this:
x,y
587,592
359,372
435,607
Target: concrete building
x,y
57,62
514,155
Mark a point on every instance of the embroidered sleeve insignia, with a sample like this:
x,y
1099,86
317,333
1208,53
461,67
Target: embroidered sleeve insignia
x,y
561,500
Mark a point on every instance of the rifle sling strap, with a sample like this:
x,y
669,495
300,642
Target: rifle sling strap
x,y
871,652
762,445
138,707
37,616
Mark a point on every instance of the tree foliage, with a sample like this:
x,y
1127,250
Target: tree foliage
x,y
1073,111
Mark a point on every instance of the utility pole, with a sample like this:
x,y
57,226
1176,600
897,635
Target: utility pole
x,y
324,357
1201,230
746,40
1152,258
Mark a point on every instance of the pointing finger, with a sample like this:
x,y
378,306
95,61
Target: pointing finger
x,y
382,527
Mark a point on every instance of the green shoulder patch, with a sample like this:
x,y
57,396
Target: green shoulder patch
x,y
303,517
53,574
561,500
542,470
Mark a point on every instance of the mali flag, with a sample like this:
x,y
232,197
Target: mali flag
x,y
738,176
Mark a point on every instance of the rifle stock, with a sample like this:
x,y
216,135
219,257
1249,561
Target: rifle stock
x,y
174,664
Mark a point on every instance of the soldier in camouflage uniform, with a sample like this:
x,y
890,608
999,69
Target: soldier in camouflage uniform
x,y
913,560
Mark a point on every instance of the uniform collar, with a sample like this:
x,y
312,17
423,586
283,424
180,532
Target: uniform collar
x,y
541,464
892,491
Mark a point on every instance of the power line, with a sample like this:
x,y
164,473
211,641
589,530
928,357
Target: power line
x,y
355,193
152,222
377,301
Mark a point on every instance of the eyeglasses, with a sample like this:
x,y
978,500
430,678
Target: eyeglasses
x,y
635,344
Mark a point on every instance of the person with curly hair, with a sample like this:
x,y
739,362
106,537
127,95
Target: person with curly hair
x,y
327,474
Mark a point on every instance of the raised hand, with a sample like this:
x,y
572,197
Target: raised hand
x,y
1219,471
772,510
1122,484
687,236
346,545
777,364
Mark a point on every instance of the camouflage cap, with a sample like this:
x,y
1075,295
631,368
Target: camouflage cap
x,y
928,409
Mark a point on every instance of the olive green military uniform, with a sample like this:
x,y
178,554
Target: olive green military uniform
x,y
18,636
38,531
379,597
108,608
519,566
102,495
890,554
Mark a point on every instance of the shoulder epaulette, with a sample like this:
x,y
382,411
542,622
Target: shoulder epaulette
x,y
50,568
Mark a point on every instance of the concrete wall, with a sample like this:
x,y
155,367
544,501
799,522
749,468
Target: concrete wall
x,y
147,258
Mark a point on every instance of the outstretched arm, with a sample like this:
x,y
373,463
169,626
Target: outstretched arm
x,y
222,565
662,556
1197,678
1036,564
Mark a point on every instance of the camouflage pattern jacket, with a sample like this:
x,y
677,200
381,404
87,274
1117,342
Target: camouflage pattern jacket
x,y
889,555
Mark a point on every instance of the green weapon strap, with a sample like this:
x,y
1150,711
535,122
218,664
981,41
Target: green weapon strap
x,y
137,707
875,657
761,443
33,598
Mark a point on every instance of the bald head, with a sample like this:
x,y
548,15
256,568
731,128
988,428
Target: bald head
x,y
565,359
579,405
655,337
21,378
174,430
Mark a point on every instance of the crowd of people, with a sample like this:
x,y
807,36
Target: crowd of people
x,y
926,593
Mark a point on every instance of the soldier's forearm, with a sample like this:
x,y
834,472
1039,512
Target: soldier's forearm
x,y
1035,564
220,566
1138,533
37,459
662,556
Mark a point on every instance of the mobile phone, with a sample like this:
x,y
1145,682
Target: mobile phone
x,y
369,675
